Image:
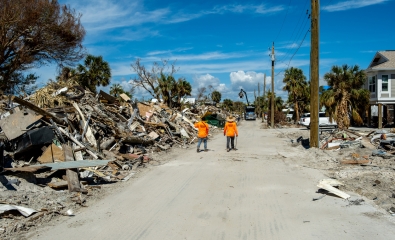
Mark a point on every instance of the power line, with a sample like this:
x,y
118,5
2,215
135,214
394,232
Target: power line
x,y
295,51
297,26
298,34
289,3
298,47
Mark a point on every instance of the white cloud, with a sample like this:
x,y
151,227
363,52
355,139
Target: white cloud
x,y
102,15
248,81
352,4
207,80
238,8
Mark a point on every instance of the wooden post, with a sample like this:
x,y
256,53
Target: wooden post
x,y
380,123
272,98
71,174
259,101
37,109
264,95
369,115
314,79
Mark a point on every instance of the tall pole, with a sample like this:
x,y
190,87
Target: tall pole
x,y
259,100
272,98
264,95
314,63
264,84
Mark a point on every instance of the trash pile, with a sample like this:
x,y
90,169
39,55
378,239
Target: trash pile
x,y
361,160
66,138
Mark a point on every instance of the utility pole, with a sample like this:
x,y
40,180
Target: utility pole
x,y
272,98
259,100
264,84
264,95
314,66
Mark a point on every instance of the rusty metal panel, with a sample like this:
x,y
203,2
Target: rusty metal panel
x,y
18,123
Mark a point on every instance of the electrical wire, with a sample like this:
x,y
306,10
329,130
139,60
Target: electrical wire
x,y
295,51
297,26
298,35
289,3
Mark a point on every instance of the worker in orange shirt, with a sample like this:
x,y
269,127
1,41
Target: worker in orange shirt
x,y
230,131
202,133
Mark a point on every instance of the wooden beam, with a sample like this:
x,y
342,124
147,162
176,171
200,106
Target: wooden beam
x,y
36,109
370,115
89,135
73,181
380,123
78,143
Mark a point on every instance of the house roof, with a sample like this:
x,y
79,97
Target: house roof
x,y
383,60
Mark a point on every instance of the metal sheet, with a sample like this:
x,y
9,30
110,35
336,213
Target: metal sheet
x,y
16,124
76,164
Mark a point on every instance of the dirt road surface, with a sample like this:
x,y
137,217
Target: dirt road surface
x,y
251,193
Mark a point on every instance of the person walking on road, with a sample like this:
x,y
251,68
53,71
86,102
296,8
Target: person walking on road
x,y
230,131
203,130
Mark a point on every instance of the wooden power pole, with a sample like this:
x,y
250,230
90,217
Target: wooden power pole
x,y
264,84
272,98
314,75
263,97
259,101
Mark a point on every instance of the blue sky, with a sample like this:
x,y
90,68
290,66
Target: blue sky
x,y
226,43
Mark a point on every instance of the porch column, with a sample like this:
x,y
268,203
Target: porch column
x,y
380,123
369,115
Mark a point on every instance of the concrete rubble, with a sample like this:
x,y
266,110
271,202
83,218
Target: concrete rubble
x,y
362,159
62,144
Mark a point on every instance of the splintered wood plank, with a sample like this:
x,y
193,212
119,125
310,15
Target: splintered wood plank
x,y
354,161
57,185
333,190
89,135
71,174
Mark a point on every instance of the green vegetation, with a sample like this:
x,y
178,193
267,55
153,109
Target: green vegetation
x,y
34,33
297,88
345,99
216,96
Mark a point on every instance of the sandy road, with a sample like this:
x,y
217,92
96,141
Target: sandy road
x,y
251,193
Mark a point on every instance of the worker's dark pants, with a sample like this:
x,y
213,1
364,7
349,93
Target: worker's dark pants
x,y
232,142
200,140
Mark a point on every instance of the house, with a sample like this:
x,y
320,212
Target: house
x,y
381,84
188,100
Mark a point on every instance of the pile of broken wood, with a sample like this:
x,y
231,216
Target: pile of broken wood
x,y
89,137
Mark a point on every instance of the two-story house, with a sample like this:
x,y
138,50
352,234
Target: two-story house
x,y
381,84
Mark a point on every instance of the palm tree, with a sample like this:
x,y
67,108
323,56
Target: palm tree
x,y
216,96
278,101
345,98
228,104
94,72
116,90
295,84
183,88
166,87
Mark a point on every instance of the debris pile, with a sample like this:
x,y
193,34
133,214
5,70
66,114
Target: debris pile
x,y
66,138
362,160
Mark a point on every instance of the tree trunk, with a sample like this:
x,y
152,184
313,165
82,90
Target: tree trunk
x,y
343,121
296,111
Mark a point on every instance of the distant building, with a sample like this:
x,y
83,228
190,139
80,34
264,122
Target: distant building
x,y
380,82
189,100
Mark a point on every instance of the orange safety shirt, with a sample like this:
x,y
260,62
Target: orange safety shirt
x,y
202,129
231,129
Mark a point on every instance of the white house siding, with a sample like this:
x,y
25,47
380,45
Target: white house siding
x,y
385,95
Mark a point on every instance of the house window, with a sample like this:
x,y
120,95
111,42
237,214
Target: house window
x,y
372,84
384,83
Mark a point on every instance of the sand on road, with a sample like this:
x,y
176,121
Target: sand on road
x,y
252,193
